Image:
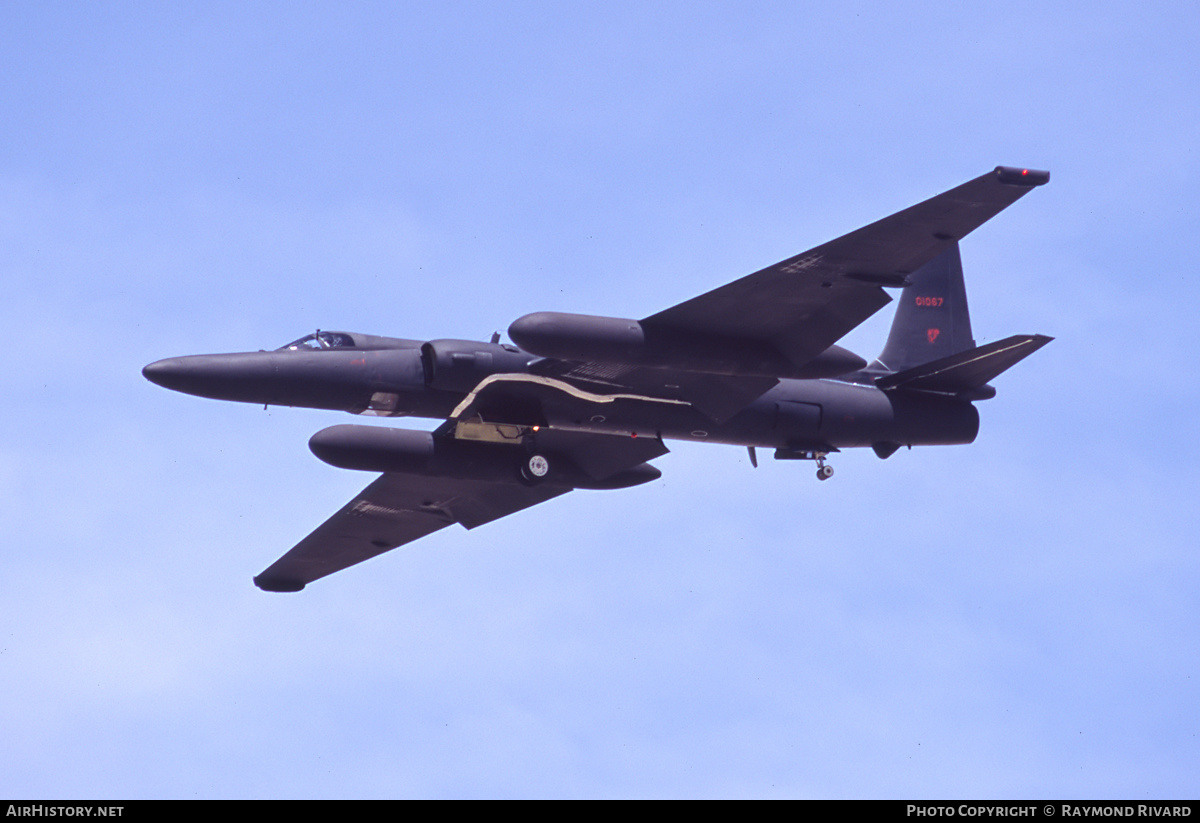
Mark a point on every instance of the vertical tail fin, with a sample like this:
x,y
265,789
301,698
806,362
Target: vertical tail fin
x,y
931,320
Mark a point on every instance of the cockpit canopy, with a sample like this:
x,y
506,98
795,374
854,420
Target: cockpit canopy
x,y
319,341
328,340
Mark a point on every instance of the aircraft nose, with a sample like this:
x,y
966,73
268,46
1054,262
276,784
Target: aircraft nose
x,y
321,380
166,373
219,376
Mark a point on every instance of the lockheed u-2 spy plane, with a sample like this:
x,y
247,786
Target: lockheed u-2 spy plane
x,y
585,402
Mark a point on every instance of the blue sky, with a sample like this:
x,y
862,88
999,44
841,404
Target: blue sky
x,y
1013,618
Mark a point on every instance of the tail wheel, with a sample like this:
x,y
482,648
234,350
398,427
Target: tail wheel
x,y
824,472
535,468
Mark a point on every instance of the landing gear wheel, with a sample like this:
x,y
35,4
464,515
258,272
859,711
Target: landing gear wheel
x,y
535,468
824,472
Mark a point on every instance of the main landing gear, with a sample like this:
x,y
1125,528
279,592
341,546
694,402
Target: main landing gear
x,y
534,469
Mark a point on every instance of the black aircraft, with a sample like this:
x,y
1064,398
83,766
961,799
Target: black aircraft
x,y
585,402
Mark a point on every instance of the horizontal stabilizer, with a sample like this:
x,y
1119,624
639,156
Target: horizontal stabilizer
x,y
967,370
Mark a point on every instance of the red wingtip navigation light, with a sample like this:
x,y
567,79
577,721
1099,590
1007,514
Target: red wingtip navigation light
x,y
1022,177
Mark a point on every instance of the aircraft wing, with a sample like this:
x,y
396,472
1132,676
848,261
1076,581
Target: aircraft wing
x,y
394,510
805,304
399,508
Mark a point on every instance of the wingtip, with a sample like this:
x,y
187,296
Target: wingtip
x,y
1017,176
277,584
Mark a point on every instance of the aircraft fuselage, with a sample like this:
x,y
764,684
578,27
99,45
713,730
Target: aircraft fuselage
x,y
430,380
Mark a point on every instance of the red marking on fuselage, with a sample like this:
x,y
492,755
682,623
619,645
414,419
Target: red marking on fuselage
x,y
932,334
